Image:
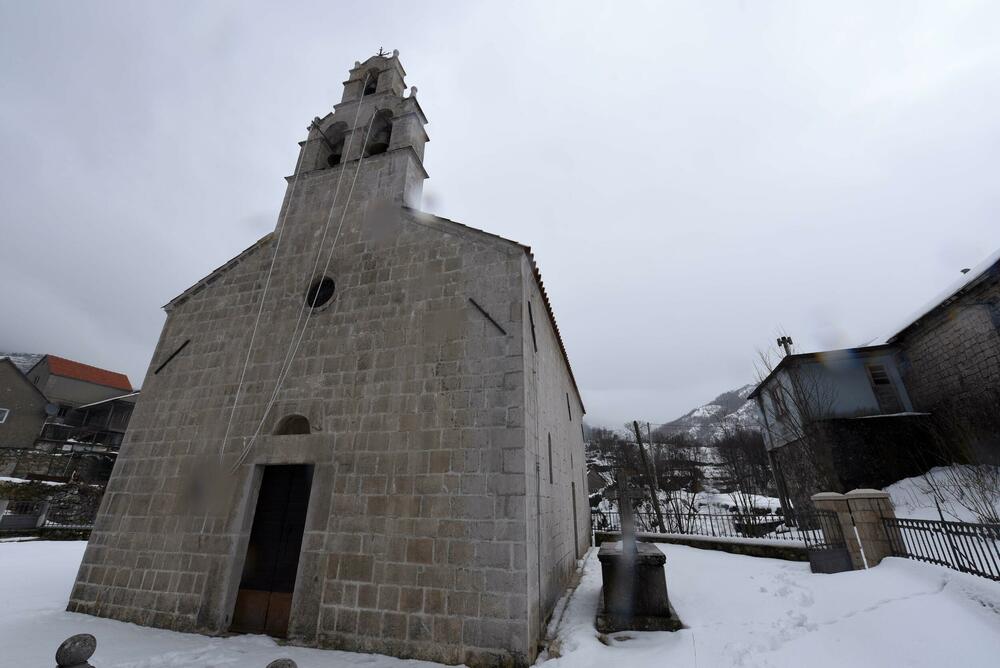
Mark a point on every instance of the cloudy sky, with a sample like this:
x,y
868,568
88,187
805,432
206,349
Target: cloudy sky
x,y
693,177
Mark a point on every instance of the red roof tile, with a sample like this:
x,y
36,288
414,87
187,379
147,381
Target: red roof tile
x,y
60,366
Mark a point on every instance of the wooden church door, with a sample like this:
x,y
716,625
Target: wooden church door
x,y
264,601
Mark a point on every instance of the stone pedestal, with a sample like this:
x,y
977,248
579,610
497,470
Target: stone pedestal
x,y
634,595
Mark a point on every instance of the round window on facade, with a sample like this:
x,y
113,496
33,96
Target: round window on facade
x,y
320,292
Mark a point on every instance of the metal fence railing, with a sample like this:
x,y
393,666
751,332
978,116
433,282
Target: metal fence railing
x,y
817,529
962,546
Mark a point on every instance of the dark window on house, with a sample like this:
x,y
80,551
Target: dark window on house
x,y
550,459
4,412
884,390
778,403
569,411
531,320
321,292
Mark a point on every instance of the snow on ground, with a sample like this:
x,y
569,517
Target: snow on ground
x,y
913,498
35,581
747,611
739,611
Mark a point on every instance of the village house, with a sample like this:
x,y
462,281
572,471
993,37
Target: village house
x,y
60,418
363,432
949,350
837,420
864,417
22,407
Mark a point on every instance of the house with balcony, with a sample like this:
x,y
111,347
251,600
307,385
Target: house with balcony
x,y
62,419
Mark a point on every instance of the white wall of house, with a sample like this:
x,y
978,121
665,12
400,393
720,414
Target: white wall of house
x,y
836,384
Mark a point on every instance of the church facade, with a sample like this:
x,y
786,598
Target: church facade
x,y
362,433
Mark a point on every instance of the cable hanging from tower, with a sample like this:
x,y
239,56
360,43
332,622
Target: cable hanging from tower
x,y
293,344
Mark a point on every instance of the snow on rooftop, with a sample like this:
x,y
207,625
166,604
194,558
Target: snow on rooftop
x,y
23,361
956,285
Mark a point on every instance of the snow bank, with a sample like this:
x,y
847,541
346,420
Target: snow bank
x,y
913,498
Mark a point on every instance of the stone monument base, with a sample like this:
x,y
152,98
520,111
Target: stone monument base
x,y
634,594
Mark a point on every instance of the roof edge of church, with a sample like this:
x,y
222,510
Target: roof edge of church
x,y
538,279
215,273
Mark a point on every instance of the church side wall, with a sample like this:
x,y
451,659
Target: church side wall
x,y
553,414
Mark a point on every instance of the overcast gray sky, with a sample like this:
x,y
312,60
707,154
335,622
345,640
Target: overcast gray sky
x,y
693,177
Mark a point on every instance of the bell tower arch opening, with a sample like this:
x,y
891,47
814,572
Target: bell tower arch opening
x,y
380,133
371,82
331,141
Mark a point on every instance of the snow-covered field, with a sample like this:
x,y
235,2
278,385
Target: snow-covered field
x,y
740,611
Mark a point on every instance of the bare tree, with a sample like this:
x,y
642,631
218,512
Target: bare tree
x,y
680,478
965,433
746,467
795,399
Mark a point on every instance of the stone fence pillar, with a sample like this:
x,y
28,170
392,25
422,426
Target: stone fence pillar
x,y
868,507
860,513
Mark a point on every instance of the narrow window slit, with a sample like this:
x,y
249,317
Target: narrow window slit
x,y
531,319
550,459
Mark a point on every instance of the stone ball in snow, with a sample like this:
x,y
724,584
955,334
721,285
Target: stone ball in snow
x,y
75,650
282,663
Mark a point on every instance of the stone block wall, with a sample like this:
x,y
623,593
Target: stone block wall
x,y
422,531
954,356
415,541
68,503
554,462
91,468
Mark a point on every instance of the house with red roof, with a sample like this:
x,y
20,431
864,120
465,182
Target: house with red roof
x,y
73,383
61,417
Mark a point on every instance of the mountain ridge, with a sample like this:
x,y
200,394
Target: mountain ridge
x,y
708,422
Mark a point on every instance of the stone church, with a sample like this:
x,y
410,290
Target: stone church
x,y
361,433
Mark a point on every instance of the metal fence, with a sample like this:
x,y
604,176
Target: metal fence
x,y
963,546
817,529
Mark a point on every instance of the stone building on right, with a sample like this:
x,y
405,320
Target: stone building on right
x,y
949,352
927,394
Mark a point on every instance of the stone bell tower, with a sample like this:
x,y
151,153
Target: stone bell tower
x,y
379,123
